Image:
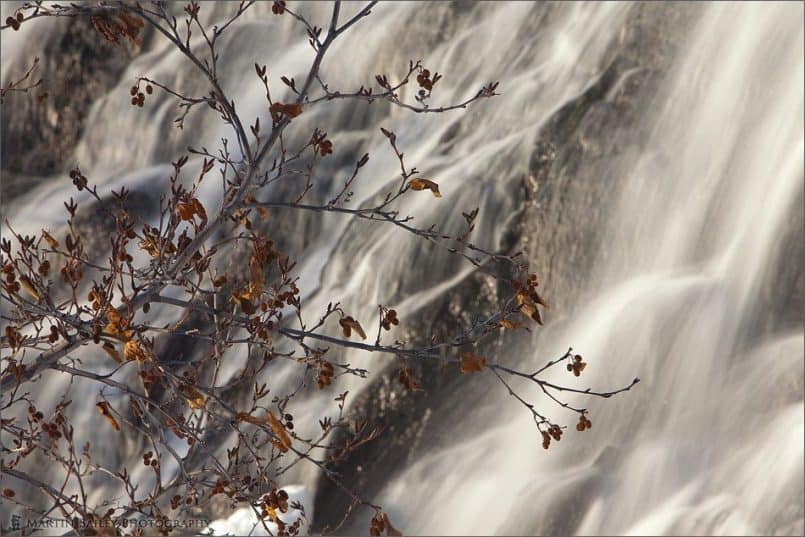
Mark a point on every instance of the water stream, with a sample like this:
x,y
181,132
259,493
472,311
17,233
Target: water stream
x,y
712,441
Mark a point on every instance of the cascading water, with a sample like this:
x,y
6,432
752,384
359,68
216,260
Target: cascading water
x,y
711,441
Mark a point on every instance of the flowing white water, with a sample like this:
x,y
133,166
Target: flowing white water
x,y
714,441
711,441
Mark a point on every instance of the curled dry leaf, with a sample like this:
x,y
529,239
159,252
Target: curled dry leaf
x,y
195,399
103,408
380,524
190,209
471,363
199,210
185,211
28,287
509,324
134,352
283,441
256,276
50,240
112,352
248,418
348,324
114,318
116,325
290,110
528,305
419,183
244,300
391,531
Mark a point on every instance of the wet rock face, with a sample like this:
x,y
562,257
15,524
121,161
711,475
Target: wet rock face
x,y
568,194
783,295
76,66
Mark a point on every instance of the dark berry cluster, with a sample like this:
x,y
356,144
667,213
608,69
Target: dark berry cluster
x,y
14,22
584,423
553,432
79,179
278,8
326,374
426,83
321,144
389,318
138,97
576,365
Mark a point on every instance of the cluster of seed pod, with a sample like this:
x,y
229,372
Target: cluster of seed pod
x,y
380,523
584,423
554,431
426,82
79,179
51,431
288,422
176,501
220,488
11,285
389,318
278,8
14,22
528,298
326,374
321,144
276,500
35,415
148,459
138,97
54,334
44,268
576,365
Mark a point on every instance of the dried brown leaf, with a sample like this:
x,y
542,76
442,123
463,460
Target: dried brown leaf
x,y
528,306
28,287
348,324
283,441
256,276
103,408
50,240
471,363
195,399
425,184
132,350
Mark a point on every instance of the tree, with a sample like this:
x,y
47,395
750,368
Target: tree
x,y
238,434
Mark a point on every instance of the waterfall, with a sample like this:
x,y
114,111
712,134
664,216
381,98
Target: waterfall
x,y
679,264
713,442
